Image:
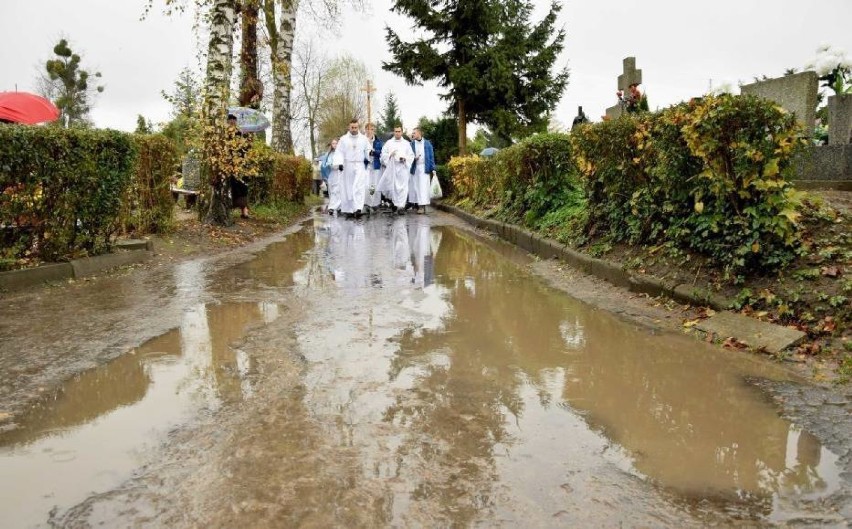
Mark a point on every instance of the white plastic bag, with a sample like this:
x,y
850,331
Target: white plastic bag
x,y
435,188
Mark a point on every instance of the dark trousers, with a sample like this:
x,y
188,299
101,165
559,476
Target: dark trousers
x,y
316,188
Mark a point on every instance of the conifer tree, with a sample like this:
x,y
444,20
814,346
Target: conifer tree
x,y
496,67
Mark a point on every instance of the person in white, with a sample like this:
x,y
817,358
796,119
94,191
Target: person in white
x,y
424,165
352,150
329,170
397,157
374,170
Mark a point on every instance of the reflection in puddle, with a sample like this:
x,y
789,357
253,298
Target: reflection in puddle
x,y
84,438
472,362
445,386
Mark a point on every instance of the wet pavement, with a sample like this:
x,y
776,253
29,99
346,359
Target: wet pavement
x,y
393,371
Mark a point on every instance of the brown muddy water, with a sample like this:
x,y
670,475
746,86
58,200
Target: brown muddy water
x,y
440,384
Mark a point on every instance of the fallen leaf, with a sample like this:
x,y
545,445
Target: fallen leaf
x,y
733,343
691,323
830,271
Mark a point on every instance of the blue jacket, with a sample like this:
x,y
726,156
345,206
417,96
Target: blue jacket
x,y
377,154
428,152
326,164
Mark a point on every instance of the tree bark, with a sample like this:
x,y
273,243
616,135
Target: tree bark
x,y
251,89
462,117
282,55
221,45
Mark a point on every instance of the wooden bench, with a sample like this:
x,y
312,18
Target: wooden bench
x,y
189,196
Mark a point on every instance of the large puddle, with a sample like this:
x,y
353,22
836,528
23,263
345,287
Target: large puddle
x,y
467,390
86,437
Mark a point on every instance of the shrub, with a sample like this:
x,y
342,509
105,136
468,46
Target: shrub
x,y
279,176
538,176
609,160
148,206
745,211
61,190
711,175
472,179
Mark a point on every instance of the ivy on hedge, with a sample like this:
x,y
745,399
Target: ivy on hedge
x,y
711,176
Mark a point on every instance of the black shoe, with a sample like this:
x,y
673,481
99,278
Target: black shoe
x,y
358,214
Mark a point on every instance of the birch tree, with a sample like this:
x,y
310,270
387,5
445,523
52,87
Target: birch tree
x,y
222,18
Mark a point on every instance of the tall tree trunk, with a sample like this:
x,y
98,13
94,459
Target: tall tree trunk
x,y
223,16
251,89
282,55
462,117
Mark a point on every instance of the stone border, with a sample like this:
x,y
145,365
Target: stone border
x,y
607,270
76,269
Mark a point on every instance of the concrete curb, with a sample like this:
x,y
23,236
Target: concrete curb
x,y
76,269
606,270
90,266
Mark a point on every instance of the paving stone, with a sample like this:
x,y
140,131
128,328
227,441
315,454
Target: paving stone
x,y
755,333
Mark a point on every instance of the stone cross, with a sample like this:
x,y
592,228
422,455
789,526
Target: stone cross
x,y
630,76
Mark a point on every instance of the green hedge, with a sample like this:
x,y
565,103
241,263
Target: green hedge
x,y
711,176
61,190
279,177
148,206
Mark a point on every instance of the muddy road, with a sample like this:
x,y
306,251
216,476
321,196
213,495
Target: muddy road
x,y
392,372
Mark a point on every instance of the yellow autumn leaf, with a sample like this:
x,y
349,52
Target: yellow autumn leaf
x,y
771,168
791,214
755,247
699,207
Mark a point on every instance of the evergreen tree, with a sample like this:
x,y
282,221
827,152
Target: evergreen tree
x,y
496,67
444,135
185,98
389,117
68,84
143,126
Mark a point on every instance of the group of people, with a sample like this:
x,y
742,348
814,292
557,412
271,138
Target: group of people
x,y
363,173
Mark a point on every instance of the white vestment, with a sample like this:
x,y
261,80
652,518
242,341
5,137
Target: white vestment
x,y
397,157
351,152
333,185
418,186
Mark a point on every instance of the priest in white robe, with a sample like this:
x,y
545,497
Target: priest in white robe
x,y
352,150
397,157
374,168
422,168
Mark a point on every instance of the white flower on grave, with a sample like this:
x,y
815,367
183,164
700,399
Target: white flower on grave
x,y
828,59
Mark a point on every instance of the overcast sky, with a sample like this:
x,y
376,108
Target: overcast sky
x,y
679,45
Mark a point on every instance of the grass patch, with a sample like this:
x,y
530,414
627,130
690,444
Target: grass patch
x,y
278,212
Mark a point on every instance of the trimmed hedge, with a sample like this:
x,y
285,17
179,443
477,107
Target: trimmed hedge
x,y
148,206
711,176
279,177
61,190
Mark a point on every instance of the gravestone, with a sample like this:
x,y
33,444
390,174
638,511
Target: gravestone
x,y
630,76
795,93
191,171
840,119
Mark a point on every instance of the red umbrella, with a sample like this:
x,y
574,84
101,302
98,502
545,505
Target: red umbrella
x,y
23,107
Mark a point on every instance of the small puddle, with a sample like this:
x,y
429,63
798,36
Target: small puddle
x,y
90,434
